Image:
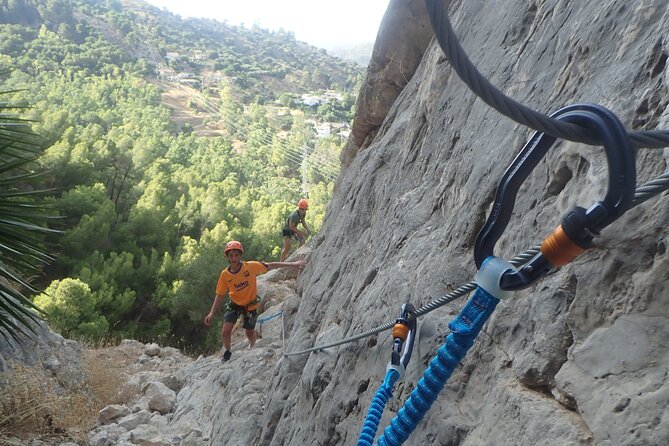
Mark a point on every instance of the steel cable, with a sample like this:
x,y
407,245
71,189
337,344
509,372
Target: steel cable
x,y
642,194
448,41
523,115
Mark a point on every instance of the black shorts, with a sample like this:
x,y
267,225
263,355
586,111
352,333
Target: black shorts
x,y
232,313
287,233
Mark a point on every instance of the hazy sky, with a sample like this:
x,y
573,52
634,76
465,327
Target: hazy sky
x,y
319,23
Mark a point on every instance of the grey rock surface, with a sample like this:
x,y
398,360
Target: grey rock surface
x,y
579,358
111,413
57,359
403,37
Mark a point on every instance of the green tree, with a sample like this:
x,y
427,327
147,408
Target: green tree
x,y
70,308
89,216
139,190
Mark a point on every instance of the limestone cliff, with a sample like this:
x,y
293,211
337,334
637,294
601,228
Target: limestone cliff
x,y
579,358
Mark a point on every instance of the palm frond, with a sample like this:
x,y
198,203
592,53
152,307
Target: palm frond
x,y
23,222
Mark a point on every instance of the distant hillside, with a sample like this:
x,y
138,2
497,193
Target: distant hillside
x,y
260,62
360,53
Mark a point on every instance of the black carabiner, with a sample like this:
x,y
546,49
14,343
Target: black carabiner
x,y
579,226
404,334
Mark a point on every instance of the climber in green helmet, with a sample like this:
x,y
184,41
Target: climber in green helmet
x,y
239,281
290,230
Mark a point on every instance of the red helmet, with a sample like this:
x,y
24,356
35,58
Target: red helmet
x,y
303,204
234,244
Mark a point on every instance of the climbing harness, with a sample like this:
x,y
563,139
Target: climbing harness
x,y
579,225
497,278
404,333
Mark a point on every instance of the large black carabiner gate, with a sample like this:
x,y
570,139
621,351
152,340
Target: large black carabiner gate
x,y
579,226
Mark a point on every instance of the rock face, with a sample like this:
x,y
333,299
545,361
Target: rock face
x,y
55,356
578,358
395,57
147,401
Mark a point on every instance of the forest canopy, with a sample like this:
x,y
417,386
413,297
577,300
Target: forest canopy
x,y
146,200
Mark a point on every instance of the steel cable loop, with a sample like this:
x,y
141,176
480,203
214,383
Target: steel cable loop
x,y
491,95
642,194
650,139
650,189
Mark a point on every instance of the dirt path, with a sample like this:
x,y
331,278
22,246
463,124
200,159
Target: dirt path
x,y
178,99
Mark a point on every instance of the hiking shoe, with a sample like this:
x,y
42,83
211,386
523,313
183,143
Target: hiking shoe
x,y
226,356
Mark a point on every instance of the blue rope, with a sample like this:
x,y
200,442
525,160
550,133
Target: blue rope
x,y
375,411
464,329
265,319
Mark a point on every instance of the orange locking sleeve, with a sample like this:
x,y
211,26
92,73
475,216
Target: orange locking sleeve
x,y
559,249
400,331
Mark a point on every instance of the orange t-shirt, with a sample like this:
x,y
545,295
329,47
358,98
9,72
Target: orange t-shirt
x,y
242,284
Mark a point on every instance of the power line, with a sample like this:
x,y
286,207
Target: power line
x,y
324,169
321,165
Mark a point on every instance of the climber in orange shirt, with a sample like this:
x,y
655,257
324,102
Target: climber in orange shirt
x,y
239,281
